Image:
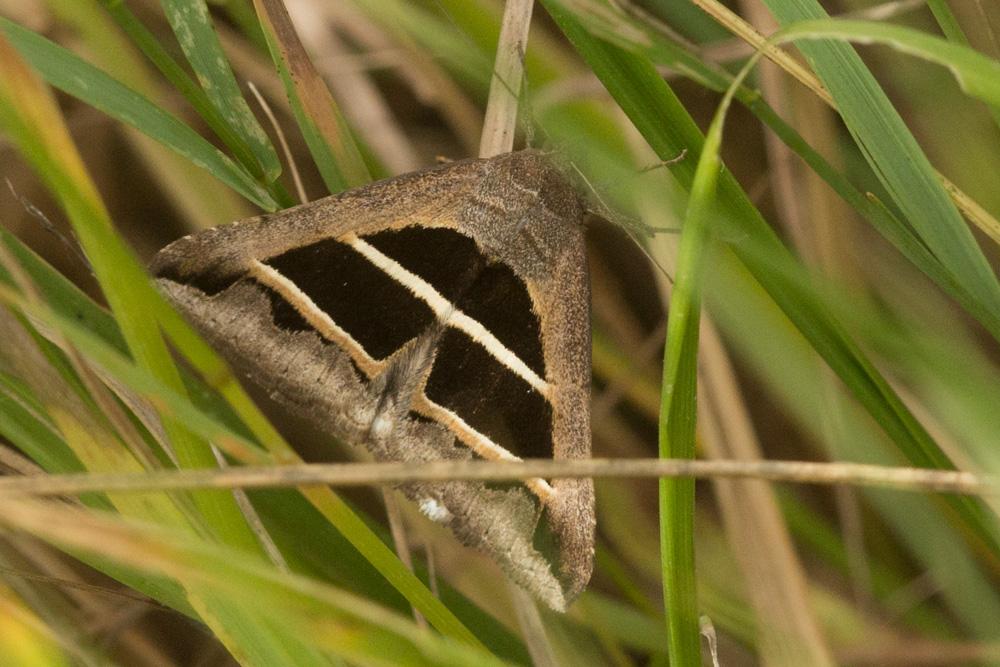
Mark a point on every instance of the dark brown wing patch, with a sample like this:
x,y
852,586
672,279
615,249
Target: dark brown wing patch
x,y
492,399
486,291
378,312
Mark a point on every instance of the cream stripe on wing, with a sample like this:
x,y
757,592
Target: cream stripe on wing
x,y
315,316
449,313
477,442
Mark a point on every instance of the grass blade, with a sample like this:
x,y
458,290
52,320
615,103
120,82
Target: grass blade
x,y
669,130
978,75
678,412
894,154
197,37
69,73
319,118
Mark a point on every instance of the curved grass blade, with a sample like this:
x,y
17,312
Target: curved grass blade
x,y
97,328
65,71
193,28
978,75
669,130
678,412
893,152
326,133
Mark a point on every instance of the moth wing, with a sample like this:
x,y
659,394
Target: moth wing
x,y
336,308
220,253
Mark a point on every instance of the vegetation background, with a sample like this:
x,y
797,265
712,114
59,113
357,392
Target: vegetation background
x,y
845,256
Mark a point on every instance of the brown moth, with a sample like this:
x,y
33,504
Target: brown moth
x,y
443,314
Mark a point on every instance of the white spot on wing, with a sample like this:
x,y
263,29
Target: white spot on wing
x,y
434,510
382,427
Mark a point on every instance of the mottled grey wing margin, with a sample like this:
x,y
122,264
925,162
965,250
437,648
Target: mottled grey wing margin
x,y
519,210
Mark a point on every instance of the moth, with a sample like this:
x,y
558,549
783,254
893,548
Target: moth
x,y
442,314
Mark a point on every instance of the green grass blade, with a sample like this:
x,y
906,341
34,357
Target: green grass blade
x,y
25,427
196,35
978,75
326,132
69,73
953,31
678,412
669,130
242,14
894,154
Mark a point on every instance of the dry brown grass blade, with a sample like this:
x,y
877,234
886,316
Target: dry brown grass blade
x,y
774,576
364,104
316,99
973,212
919,480
499,127
508,72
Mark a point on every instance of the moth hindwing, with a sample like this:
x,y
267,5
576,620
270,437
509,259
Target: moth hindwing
x,y
442,314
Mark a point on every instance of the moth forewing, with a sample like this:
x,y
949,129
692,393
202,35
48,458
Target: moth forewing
x,y
438,315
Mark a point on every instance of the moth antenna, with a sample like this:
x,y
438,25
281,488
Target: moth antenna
x,y
632,227
649,255
66,240
289,158
665,163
